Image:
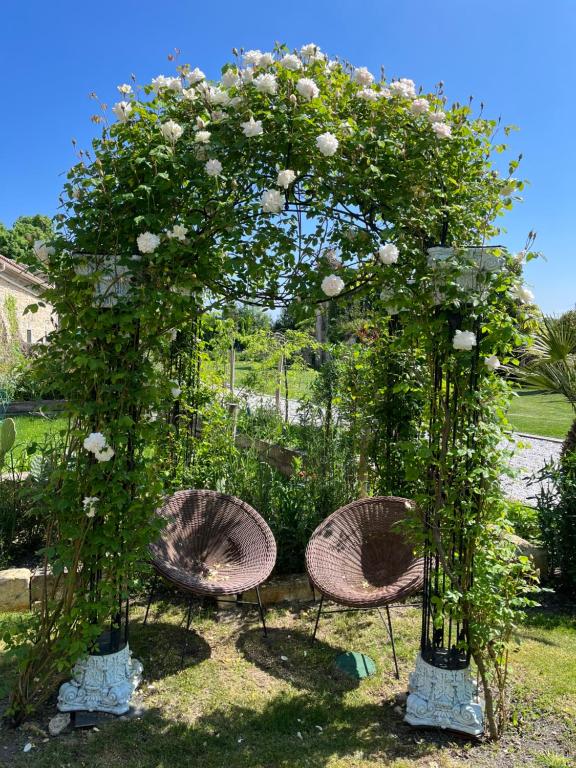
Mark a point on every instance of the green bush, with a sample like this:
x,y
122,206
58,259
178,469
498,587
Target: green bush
x,y
557,513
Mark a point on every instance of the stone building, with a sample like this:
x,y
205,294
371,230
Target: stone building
x,y
18,289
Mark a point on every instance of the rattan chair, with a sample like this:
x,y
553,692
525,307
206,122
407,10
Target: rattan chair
x,y
358,559
212,545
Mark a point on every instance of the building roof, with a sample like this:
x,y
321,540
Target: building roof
x,y
15,270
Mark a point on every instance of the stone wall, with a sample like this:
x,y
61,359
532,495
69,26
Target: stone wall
x,y
32,326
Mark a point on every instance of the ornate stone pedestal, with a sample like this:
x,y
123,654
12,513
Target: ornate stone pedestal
x,y
444,698
102,684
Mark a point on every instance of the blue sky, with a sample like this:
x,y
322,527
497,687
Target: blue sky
x,y
517,56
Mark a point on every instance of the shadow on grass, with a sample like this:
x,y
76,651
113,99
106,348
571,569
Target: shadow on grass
x,y
293,657
158,645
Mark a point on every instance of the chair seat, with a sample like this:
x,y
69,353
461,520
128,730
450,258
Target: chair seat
x,y
213,544
358,559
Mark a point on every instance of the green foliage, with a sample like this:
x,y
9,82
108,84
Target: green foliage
x,y
7,438
557,508
524,520
391,178
16,242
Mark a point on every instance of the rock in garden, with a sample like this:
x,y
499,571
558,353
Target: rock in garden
x,y
58,723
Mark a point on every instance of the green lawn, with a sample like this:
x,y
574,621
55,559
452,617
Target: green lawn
x,y
240,701
536,414
30,429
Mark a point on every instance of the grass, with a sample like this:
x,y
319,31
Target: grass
x,y
34,429
243,702
537,414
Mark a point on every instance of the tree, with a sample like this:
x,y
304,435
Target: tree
x,y
16,243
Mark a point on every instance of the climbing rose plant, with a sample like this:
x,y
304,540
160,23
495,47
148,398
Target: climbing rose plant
x,y
199,193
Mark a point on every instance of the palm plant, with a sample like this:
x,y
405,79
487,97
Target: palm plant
x,y
550,365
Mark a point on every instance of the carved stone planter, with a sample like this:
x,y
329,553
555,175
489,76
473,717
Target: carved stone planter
x,y
444,698
102,684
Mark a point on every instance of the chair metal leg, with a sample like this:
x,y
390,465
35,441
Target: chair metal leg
x,y
388,626
318,617
150,596
261,610
188,620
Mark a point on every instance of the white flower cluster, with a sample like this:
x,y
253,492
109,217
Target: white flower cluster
x,y
89,504
291,61
311,53
124,88
122,110
171,131
257,59
332,285
464,340
522,294
147,242
266,83
307,88
195,76
419,107
327,143
162,82
178,232
285,178
272,201
213,167
492,362
202,137
175,389
362,76
442,130
96,443
231,78
252,128
404,87
388,254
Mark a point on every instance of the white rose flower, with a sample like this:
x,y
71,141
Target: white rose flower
x,y
171,130
147,242
94,442
175,84
272,201
285,178
230,78
160,82
189,94
404,88
522,294
252,128
464,340
218,97
247,75
291,61
122,111
266,83
178,232
124,88
327,143
89,503
200,124
385,93
332,285
213,167
43,251
202,137
104,455
307,88
492,362
388,254
419,107
235,101
176,389
442,130
252,58
369,94
437,117
362,76
195,76
308,50
266,60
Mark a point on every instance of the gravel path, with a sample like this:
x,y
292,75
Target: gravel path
x,y
530,454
